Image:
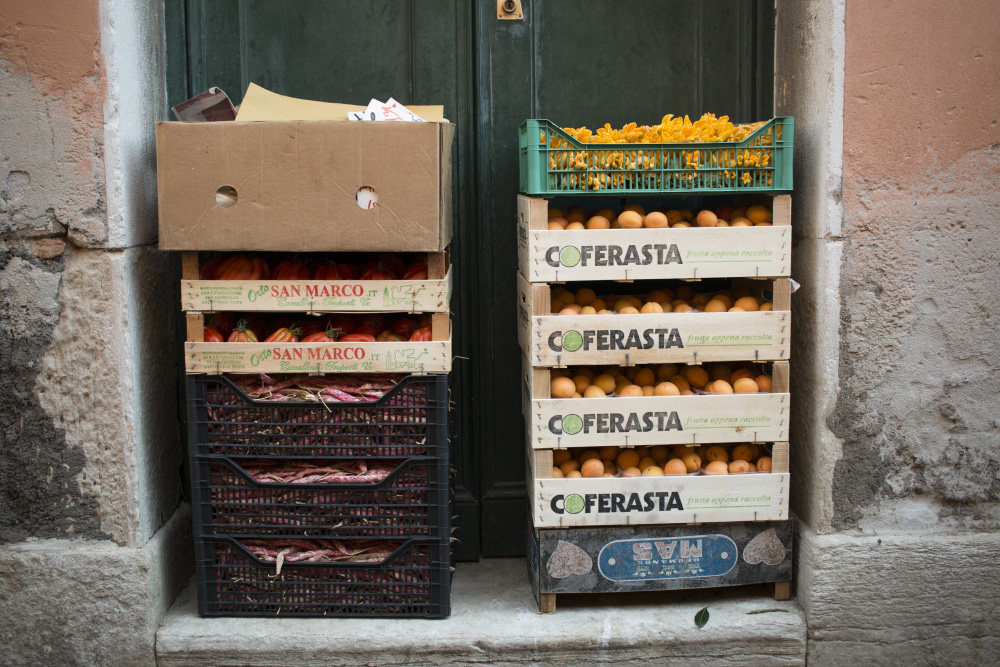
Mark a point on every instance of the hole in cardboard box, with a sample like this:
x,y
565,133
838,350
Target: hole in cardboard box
x,y
367,197
226,196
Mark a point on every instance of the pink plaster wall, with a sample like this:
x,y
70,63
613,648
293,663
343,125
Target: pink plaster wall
x,y
920,359
922,85
54,89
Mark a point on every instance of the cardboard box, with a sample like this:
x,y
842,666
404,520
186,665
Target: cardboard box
x,y
296,185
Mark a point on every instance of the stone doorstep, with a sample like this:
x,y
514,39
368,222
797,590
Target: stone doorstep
x,y
494,621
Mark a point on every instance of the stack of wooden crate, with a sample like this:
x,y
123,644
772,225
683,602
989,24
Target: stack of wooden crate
x,y
319,469
621,533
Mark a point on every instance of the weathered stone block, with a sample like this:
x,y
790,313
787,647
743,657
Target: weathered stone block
x,y
494,622
108,383
81,602
925,598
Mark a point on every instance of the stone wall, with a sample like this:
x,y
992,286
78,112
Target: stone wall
x,y
90,513
895,355
920,359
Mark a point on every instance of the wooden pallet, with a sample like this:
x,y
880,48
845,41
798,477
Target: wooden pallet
x,y
660,254
626,340
574,561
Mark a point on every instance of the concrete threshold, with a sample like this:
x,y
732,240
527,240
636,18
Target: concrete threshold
x,y
494,621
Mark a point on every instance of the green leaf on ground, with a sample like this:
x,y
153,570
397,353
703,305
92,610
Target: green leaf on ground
x,y
701,618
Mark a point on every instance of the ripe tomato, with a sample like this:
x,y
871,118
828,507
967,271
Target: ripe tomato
x,y
212,336
211,267
421,334
285,335
343,323
392,262
290,269
280,321
371,324
242,334
334,271
415,272
389,337
403,326
223,322
310,328
328,336
378,272
357,338
255,322
243,267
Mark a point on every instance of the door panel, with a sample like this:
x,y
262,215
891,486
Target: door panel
x,y
580,62
576,62
350,51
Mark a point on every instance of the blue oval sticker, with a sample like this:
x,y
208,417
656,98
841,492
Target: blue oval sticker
x,y
668,558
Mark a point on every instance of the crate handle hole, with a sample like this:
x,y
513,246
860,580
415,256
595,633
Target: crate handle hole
x,y
367,197
226,196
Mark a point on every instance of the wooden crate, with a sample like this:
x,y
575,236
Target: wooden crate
x,y
318,296
565,561
638,254
557,423
626,340
433,356
627,501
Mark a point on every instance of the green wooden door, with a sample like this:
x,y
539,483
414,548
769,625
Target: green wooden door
x,y
577,62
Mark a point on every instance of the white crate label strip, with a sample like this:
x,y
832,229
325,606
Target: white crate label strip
x,y
656,500
561,340
615,254
401,357
662,420
311,296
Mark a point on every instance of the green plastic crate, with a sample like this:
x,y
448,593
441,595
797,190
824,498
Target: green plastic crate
x,y
760,163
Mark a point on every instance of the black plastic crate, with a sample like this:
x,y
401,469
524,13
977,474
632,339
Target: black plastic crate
x,y
414,581
410,420
411,501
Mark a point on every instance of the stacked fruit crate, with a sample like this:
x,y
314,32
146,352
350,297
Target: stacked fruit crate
x,y
316,360
655,377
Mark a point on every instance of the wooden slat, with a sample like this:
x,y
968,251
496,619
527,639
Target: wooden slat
x,y
779,377
782,294
702,499
541,463
436,265
189,265
541,383
402,357
440,326
658,338
318,296
686,254
674,337
781,211
546,603
781,590
658,420
657,254
195,327
779,457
